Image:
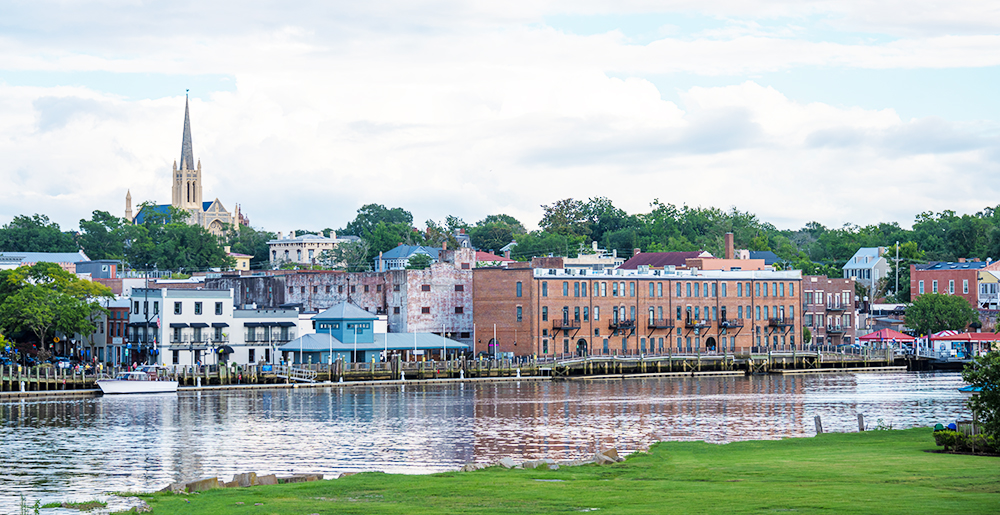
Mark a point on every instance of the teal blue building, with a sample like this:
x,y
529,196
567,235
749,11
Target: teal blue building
x,y
346,332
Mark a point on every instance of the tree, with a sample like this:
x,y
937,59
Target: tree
x,y
250,241
35,234
166,241
984,373
370,215
807,335
909,254
418,262
351,256
385,237
104,235
44,297
495,231
541,243
933,312
565,217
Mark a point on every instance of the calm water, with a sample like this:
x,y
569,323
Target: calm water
x,y
75,449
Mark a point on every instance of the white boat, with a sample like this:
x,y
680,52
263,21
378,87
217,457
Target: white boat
x,y
137,382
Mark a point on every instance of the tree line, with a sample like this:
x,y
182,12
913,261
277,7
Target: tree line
x,y
567,228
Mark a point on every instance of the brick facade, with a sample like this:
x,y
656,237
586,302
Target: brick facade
x,y
829,309
954,278
633,311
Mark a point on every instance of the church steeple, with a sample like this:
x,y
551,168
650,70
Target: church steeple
x,y
128,205
187,154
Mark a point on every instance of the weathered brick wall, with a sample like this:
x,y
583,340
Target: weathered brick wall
x,y
832,290
495,299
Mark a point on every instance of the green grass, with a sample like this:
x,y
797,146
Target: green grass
x,y
872,472
82,506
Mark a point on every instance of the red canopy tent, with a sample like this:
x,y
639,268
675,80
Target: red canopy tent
x,y
887,335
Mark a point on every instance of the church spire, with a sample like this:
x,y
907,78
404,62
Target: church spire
x,y
187,154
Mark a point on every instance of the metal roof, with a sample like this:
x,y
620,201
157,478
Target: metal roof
x,y
345,311
659,259
45,257
314,342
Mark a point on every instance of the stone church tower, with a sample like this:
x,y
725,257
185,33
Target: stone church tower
x,y
186,191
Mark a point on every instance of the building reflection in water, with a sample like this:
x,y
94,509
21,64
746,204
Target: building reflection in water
x,y
72,449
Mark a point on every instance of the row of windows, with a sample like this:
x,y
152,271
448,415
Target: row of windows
x,y
839,321
689,312
354,288
951,286
819,297
684,289
688,344
178,308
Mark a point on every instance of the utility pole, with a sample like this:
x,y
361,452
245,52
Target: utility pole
x,y
897,271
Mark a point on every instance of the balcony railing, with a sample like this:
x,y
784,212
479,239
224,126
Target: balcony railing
x,y
661,323
621,324
731,322
835,329
692,323
835,306
781,321
562,324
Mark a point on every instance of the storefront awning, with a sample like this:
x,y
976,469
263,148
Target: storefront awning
x,y
177,324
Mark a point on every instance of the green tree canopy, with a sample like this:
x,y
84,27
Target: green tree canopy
x,y
933,312
104,235
35,234
370,215
351,256
419,262
252,242
984,373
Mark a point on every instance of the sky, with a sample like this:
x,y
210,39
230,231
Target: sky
x,y
831,111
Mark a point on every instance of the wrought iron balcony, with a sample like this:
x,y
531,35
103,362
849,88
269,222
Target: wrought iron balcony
x,y
661,323
781,321
565,324
835,329
692,323
621,324
730,323
835,306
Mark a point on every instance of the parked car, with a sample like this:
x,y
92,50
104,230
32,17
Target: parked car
x,y
61,362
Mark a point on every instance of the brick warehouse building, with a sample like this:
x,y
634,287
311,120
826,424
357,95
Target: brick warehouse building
x,y
954,278
433,300
828,309
544,309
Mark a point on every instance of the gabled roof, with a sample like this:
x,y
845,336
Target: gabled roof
x,y
769,257
659,259
44,257
870,255
160,209
407,251
886,335
345,311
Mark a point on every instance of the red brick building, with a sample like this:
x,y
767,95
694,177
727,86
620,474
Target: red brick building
x,y
544,309
829,310
951,277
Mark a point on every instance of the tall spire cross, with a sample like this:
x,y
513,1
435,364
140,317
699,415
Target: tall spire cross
x,y
187,154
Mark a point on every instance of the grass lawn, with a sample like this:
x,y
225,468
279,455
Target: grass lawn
x,y
871,472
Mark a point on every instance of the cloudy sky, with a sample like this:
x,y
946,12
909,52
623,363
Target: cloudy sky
x,y
836,111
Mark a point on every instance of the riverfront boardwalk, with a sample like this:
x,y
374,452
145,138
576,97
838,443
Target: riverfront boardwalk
x,y
50,379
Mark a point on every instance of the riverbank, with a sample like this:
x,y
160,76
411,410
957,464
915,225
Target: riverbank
x,y
870,472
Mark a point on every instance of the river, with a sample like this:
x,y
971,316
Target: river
x,y
57,449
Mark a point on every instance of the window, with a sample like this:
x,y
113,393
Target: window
x,y
697,289
545,313
378,288
678,312
177,308
934,288
135,307
739,311
757,289
586,313
518,288
519,313
951,286
576,289
724,289
715,313
425,287
583,289
565,288
366,289
604,289
652,290
298,255
715,289
688,289
395,310
197,308
465,266
425,310
176,355
606,350
565,345
920,287
614,289
782,289
251,355
545,346
395,287
965,286
597,313
739,289
631,289
459,287
302,289
311,254
678,289
459,310
757,312
659,289
156,307
791,289
353,288
576,313
218,308
545,288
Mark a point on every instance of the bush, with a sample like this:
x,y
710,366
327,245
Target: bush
x,y
961,442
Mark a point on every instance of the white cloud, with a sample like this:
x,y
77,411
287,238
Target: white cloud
x,y
451,109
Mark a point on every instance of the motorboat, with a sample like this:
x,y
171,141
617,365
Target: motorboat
x,y
970,389
137,382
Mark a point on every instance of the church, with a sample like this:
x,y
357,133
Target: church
x,y
186,193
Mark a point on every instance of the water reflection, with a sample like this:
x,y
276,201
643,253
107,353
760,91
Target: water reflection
x,y
72,449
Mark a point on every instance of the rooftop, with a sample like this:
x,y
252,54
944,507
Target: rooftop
x,y
952,265
661,259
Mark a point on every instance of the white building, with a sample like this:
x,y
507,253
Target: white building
x,y
256,333
867,266
303,250
180,326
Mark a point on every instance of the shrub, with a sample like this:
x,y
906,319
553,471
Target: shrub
x,y
961,442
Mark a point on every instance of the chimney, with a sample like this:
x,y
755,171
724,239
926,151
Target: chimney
x,y
730,252
961,260
461,230
636,252
506,254
444,245
281,235
226,249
